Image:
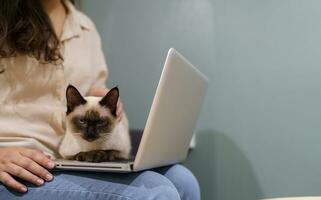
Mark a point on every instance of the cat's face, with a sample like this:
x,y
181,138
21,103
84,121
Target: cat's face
x,y
91,118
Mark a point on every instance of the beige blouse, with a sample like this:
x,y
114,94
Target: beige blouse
x,y
32,95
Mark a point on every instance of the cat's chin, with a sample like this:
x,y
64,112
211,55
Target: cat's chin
x,y
90,139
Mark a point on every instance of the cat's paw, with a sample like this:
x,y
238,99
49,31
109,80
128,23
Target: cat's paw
x,y
112,155
92,156
98,156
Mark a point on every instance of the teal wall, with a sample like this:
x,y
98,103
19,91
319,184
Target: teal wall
x,y
259,133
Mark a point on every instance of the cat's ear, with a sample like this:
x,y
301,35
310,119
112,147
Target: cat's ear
x,y
110,100
74,98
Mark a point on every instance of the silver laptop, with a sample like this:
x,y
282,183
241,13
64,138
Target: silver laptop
x,y
170,124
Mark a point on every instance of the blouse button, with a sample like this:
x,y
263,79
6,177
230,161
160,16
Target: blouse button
x,y
2,68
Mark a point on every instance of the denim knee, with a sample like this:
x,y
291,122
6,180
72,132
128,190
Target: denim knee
x,y
155,186
184,181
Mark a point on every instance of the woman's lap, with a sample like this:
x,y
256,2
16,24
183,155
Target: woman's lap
x,y
184,181
176,181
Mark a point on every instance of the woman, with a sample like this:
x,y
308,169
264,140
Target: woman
x,y
45,45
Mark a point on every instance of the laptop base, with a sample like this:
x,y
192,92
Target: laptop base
x,y
117,166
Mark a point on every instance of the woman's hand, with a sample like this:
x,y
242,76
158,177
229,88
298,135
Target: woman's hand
x,y
100,92
27,164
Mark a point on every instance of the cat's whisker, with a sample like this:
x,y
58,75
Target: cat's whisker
x,y
104,137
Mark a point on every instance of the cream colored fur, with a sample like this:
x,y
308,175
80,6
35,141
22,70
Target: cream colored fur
x,y
118,140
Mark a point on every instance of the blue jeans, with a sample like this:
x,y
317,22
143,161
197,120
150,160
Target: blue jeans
x,y
174,182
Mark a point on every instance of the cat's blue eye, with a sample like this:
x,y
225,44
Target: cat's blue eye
x,y
82,121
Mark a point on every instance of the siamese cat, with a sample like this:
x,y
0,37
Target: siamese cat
x,y
92,132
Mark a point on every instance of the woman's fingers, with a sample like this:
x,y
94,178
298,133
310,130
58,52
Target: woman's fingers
x,y
120,109
39,157
20,172
98,92
48,156
7,180
34,168
27,164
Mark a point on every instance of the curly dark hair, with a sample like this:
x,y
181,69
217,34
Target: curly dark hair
x,y
26,29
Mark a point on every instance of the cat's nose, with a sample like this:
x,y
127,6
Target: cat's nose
x,y
90,134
